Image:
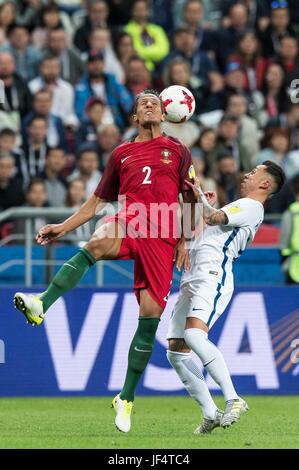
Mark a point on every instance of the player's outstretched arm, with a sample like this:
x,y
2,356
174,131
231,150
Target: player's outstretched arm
x,y
87,211
211,215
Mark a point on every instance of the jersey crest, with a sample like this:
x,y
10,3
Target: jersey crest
x,y
166,154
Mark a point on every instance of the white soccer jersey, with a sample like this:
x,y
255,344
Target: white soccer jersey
x,y
206,289
212,255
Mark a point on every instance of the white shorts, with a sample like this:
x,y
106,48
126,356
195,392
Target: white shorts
x,y
207,302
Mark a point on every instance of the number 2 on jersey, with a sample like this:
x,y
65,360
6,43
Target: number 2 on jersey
x,y
147,170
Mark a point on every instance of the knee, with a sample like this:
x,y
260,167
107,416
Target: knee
x,y
178,345
102,247
154,311
96,247
195,336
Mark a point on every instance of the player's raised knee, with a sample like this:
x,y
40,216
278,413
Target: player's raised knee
x,y
178,345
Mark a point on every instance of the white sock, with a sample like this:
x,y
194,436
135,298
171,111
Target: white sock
x,y
193,381
212,359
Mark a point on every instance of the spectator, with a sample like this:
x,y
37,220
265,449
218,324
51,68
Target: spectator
x,y
278,28
138,76
108,137
100,41
75,197
71,65
35,197
62,91
26,56
228,143
274,90
277,145
87,169
33,155
235,79
228,37
193,19
289,238
248,54
277,150
258,12
55,184
96,115
227,179
184,46
288,120
50,18
7,17
97,15
288,58
11,191
17,100
7,142
42,104
123,47
102,85
150,40
203,149
248,129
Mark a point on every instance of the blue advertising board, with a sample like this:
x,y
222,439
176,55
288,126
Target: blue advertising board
x,y
81,349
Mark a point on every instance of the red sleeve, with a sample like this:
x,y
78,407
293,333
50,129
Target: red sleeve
x,y
108,187
186,168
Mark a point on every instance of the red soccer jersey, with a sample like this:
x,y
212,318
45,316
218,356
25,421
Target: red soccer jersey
x,y
148,173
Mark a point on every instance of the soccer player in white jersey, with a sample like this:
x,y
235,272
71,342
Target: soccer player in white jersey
x,y
207,288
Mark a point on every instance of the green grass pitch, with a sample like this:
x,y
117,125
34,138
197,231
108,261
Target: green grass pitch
x,y
158,423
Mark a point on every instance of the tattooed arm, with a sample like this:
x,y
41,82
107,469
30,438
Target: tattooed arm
x,y
211,215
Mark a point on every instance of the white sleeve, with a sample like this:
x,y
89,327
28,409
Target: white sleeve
x,y
243,213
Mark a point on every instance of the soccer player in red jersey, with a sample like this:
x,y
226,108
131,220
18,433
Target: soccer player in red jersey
x,y
150,171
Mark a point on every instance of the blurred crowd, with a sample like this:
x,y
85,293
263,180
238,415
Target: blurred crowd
x,y
70,71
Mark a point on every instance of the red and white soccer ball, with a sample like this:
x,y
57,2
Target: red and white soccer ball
x,y
178,103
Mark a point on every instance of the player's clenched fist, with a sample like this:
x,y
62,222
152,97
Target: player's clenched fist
x,y
49,232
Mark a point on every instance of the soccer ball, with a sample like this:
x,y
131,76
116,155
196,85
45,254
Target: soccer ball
x,y
178,103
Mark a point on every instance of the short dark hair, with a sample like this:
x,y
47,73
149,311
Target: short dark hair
x,y
11,28
86,148
50,8
183,30
37,117
229,117
48,56
35,181
146,92
277,173
41,91
136,58
53,149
